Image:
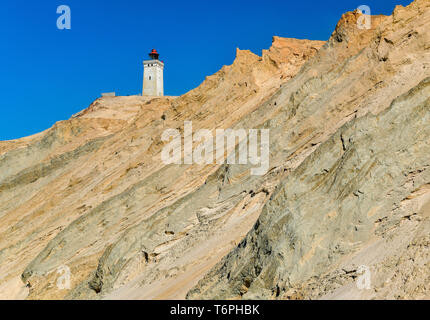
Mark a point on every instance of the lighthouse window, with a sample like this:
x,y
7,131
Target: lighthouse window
x,y
149,77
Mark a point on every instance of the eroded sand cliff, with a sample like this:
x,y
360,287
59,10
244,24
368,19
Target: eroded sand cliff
x,y
348,183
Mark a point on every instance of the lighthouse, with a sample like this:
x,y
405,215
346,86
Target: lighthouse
x,y
153,75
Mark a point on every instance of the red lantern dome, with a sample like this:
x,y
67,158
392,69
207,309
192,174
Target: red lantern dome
x,y
154,54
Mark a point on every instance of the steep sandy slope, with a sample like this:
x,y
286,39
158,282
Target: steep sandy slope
x,y
349,77
74,193
347,183
361,197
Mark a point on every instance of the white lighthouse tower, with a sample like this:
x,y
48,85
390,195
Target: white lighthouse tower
x,y
153,76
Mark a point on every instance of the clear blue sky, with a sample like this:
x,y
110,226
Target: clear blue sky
x,y
46,74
